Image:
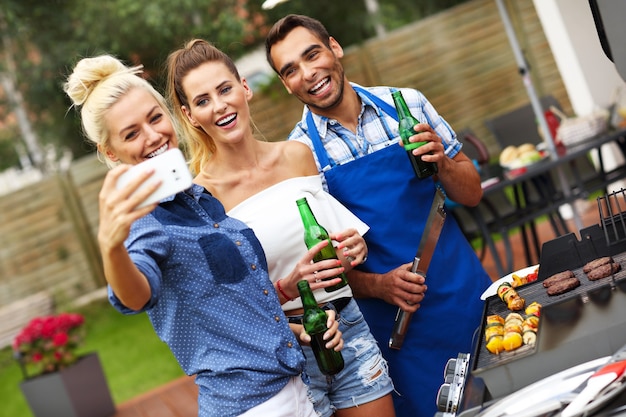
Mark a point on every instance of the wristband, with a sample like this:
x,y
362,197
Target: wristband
x,y
283,293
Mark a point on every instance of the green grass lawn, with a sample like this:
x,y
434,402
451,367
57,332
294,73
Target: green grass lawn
x,y
133,358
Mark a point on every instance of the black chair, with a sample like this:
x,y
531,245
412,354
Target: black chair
x,y
502,211
520,125
583,178
515,128
476,150
491,215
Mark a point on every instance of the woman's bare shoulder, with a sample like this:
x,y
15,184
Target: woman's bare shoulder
x,y
297,150
299,156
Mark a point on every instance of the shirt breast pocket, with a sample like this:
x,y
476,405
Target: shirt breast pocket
x,y
225,261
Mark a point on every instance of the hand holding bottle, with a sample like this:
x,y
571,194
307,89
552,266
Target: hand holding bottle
x,y
432,146
317,325
322,274
351,247
314,233
415,148
333,336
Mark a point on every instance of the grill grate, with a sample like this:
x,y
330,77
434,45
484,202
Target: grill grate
x,y
582,324
536,292
612,209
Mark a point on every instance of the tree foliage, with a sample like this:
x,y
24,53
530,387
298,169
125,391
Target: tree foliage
x,y
349,21
46,38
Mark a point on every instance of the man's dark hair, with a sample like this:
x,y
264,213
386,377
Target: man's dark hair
x,y
284,26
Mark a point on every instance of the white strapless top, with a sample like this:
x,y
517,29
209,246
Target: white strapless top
x,y
275,219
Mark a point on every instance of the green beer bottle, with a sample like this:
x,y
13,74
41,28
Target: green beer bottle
x,y
314,321
314,233
406,121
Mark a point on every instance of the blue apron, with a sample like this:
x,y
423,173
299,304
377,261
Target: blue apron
x,y
383,191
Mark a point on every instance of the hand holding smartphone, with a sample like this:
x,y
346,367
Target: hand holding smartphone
x,y
170,168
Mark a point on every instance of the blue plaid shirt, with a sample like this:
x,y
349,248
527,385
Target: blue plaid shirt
x,y
375,128
213,303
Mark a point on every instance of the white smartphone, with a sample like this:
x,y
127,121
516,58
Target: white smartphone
x,y
170,167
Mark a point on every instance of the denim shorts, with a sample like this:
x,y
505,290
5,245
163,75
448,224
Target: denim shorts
x,y
365,376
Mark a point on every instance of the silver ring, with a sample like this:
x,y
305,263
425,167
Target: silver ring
x,y
364,259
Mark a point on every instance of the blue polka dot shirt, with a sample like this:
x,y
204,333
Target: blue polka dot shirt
x,y
213,303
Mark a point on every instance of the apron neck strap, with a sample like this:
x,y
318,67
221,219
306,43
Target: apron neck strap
x,y
386,107
318,147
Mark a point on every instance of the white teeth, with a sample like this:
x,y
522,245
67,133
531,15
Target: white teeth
x,y
158,151
226,120
318,86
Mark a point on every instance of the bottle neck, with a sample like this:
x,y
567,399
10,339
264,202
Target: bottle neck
x,y
401,106
305,212
308,299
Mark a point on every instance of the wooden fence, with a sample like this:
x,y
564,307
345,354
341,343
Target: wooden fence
x,y
460,59
48,236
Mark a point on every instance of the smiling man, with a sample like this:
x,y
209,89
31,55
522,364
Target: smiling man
x,y
354,134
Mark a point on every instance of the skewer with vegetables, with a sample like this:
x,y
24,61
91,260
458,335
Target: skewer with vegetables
x,y
494,333
510,297
531,323
514,331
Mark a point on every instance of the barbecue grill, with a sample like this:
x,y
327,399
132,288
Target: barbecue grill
x,y
583,324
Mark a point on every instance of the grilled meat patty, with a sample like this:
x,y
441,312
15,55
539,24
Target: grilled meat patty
x,y
603,271
563,285
548,282
597,263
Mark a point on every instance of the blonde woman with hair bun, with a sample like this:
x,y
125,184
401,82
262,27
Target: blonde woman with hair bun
x,y
95,85
200,275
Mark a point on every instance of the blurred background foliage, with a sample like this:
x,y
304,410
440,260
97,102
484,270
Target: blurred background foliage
x,y
43,39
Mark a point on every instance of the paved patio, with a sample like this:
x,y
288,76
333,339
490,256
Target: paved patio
x,y
174,399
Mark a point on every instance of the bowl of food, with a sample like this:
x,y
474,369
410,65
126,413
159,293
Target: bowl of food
x,y
515,157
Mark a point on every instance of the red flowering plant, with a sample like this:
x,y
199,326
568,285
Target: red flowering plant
x,y
48,343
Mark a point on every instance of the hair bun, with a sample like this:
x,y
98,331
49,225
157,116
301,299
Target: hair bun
x,y
88,73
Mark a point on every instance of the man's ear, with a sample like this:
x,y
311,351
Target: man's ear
x,y
188,114
335,47
286,86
